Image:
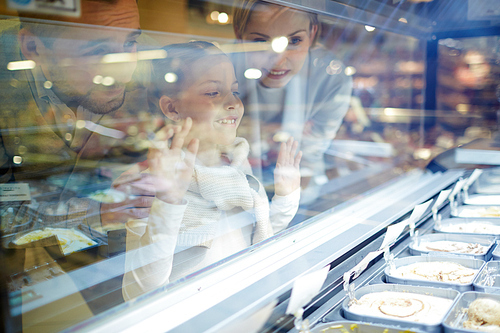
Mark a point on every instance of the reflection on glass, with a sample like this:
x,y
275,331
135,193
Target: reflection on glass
x,y
103,199
199,215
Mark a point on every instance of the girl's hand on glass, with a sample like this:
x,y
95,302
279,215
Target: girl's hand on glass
x,y
171,167
287,172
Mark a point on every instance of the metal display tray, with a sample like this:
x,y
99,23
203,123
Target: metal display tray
x,y
432,328
355,327
466,262
496,252
471,212
483,200
488,241
490,284
453,322
448,222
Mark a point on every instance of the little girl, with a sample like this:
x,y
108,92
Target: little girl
x,y
209,207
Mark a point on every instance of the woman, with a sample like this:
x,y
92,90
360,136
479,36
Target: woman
x,y
302,91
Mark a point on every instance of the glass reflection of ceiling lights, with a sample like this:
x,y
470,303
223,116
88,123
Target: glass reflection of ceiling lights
x,y
222,18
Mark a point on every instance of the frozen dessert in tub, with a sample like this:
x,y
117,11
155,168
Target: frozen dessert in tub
x,y
471,211
440,271
451,247
472,227
484,315
402,306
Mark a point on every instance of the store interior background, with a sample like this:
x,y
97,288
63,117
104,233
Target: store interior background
x,y
388,72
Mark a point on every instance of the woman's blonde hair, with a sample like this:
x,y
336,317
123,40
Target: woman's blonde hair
x,y
243,9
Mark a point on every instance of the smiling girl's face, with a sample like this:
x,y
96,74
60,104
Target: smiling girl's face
x,y
268,22
210,97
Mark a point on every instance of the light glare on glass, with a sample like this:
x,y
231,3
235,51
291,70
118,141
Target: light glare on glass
x,y
81,124
17,159
253,74
112,58
349,70
369,28
402,19
97,79
214,15
47,84
151,54
223,18
171,77
279,44
108,81
20,65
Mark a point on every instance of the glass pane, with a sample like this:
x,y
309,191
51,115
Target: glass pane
x,y
468,88
145,144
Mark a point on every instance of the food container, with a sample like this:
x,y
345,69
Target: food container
x,y
355,327
418,326
487,188
488,279
466,262
477,212
108,196
487,241
113,239
483,200
469,222
453,322
69,261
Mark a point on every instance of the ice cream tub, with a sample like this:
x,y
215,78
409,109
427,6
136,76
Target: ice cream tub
x,y
470,226
468,246
411,307
491,212
483,200
488,279
355,327
487,188
434,271
458,316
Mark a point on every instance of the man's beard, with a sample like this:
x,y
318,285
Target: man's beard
x,y
98,107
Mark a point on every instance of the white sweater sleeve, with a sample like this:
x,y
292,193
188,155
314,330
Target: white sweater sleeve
x,y
283,209
150,249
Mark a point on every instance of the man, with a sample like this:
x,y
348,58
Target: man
x,y
51,109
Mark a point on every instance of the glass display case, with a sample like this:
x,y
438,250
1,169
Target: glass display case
x,y
183,165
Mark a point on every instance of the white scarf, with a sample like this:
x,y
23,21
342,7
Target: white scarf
x,y
217,189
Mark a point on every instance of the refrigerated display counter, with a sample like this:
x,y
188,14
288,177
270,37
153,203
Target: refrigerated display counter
x,y
425,88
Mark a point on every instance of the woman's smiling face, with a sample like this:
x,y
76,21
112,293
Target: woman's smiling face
x,y
210,97
268,22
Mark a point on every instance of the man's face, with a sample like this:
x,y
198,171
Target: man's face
x,y
74,63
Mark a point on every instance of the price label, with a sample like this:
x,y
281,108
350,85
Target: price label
x,y
52,7
15,192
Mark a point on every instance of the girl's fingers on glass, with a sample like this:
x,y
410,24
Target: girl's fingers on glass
x,y
297,159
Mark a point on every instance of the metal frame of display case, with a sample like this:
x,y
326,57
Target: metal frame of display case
x,y
267,273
